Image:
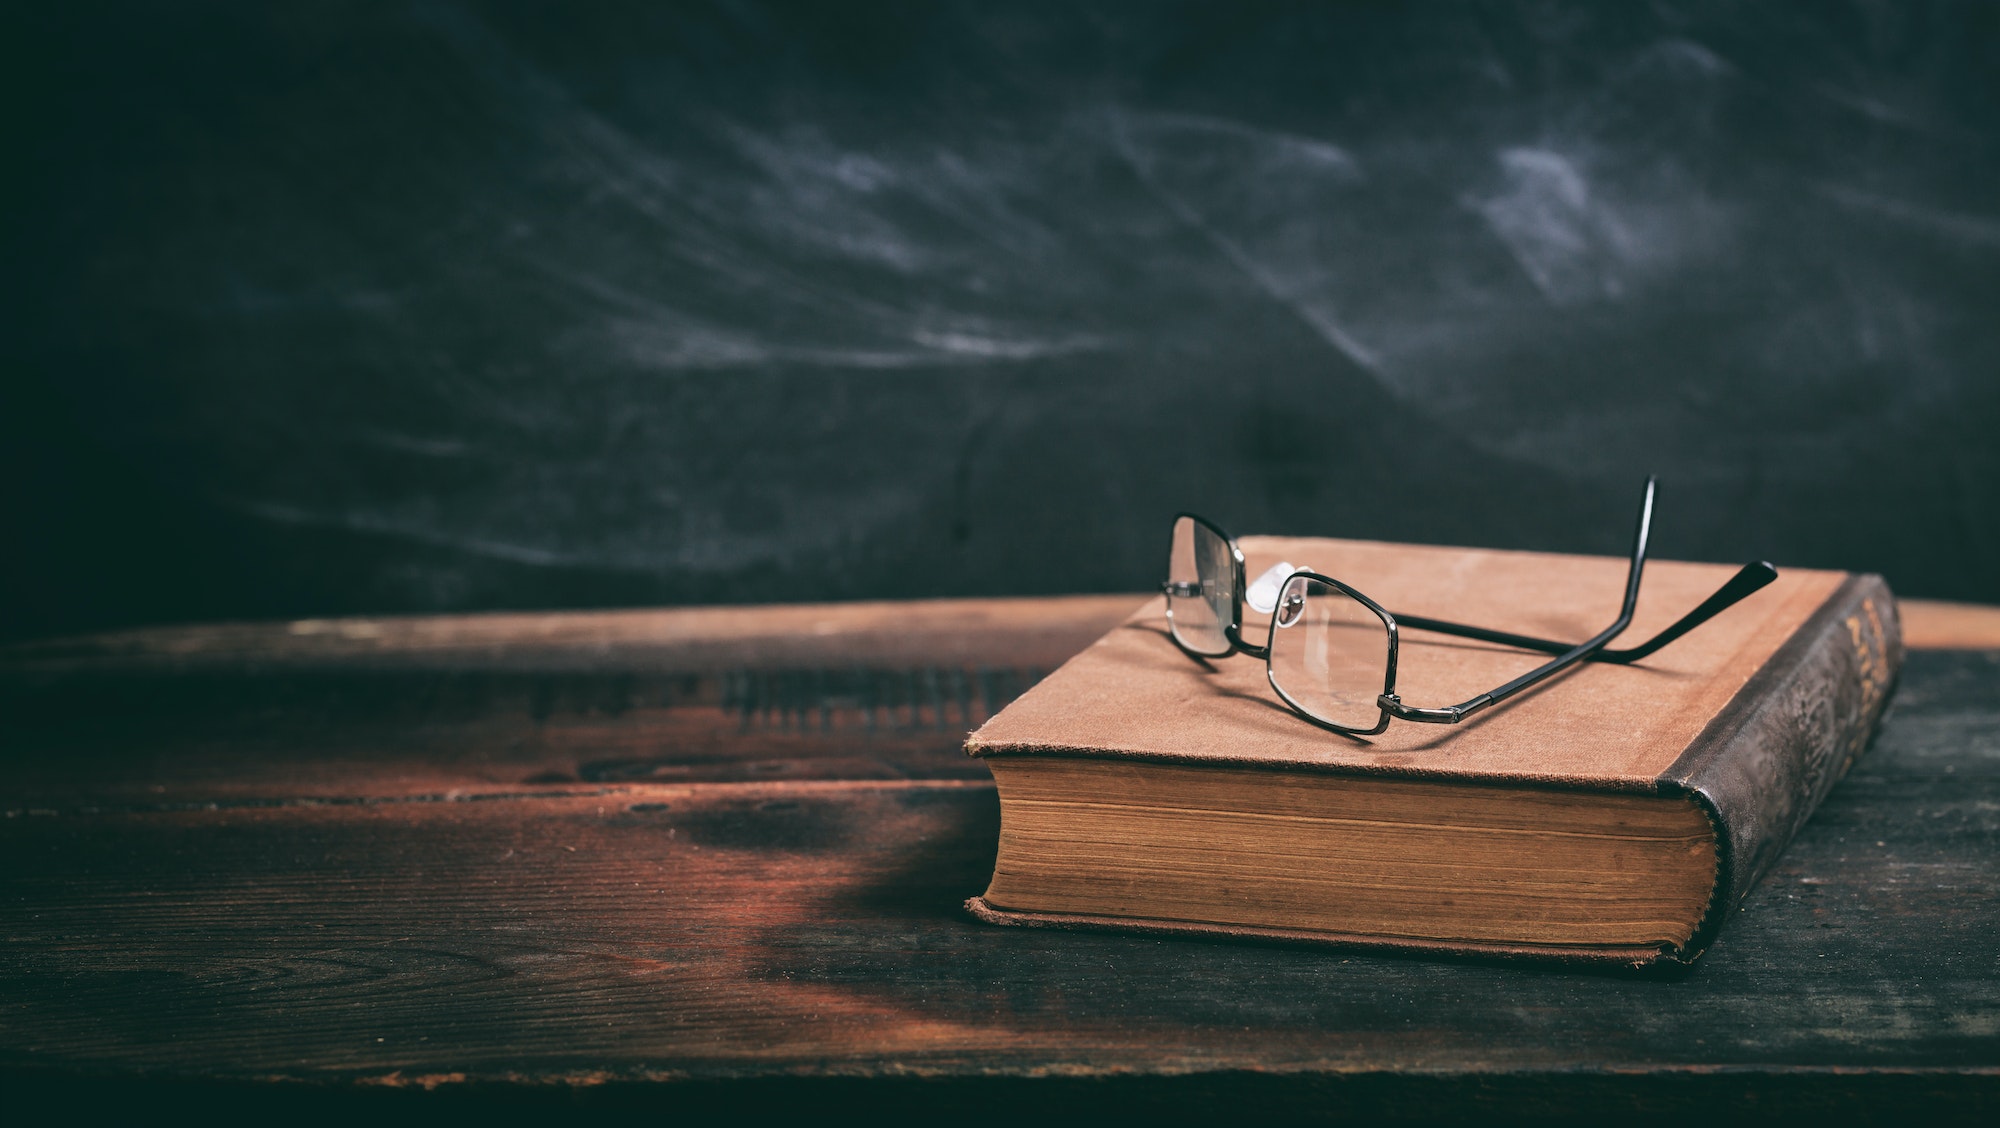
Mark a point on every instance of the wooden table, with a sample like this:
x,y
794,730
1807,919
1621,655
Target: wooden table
x,y
711,862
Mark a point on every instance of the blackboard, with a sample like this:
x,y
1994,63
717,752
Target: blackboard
x,y
317,309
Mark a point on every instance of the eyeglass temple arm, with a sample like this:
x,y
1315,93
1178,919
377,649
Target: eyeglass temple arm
x,y
1452,714
1748,579
1745,582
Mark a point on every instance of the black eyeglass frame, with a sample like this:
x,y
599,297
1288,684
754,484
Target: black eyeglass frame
x,y
1750,578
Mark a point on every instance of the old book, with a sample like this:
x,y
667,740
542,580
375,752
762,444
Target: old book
x,y
1614,814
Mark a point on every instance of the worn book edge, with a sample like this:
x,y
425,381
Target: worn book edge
x,y
1764,763
1801,720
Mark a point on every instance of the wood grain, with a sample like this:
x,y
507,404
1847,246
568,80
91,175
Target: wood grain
x,y
281,884
719,929
500,704
668,640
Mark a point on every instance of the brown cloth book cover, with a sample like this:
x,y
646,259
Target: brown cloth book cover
x,y
1754,716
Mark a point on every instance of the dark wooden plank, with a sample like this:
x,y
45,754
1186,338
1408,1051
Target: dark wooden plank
x,y
724,933
339,739
495,704
1040,630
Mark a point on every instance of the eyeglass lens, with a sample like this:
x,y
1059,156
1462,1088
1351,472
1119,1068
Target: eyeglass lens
x,y
1329,654
1201,596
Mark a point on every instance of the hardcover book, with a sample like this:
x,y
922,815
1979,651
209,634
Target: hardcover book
x,y
1612,815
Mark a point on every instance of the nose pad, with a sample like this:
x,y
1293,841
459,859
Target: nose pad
x,y
1262,595
1292,605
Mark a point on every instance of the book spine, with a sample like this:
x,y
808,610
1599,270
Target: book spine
x,y
1766,761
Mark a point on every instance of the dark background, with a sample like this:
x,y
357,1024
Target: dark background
x,y
323,308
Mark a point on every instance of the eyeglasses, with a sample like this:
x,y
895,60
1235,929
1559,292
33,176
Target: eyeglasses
x,y
1328,645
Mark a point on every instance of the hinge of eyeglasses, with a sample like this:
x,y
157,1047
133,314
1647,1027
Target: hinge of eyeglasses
x,y
1449,715
1181,590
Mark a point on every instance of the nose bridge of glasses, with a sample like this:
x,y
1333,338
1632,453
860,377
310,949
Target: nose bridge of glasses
x,y
1263,593
1291,606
